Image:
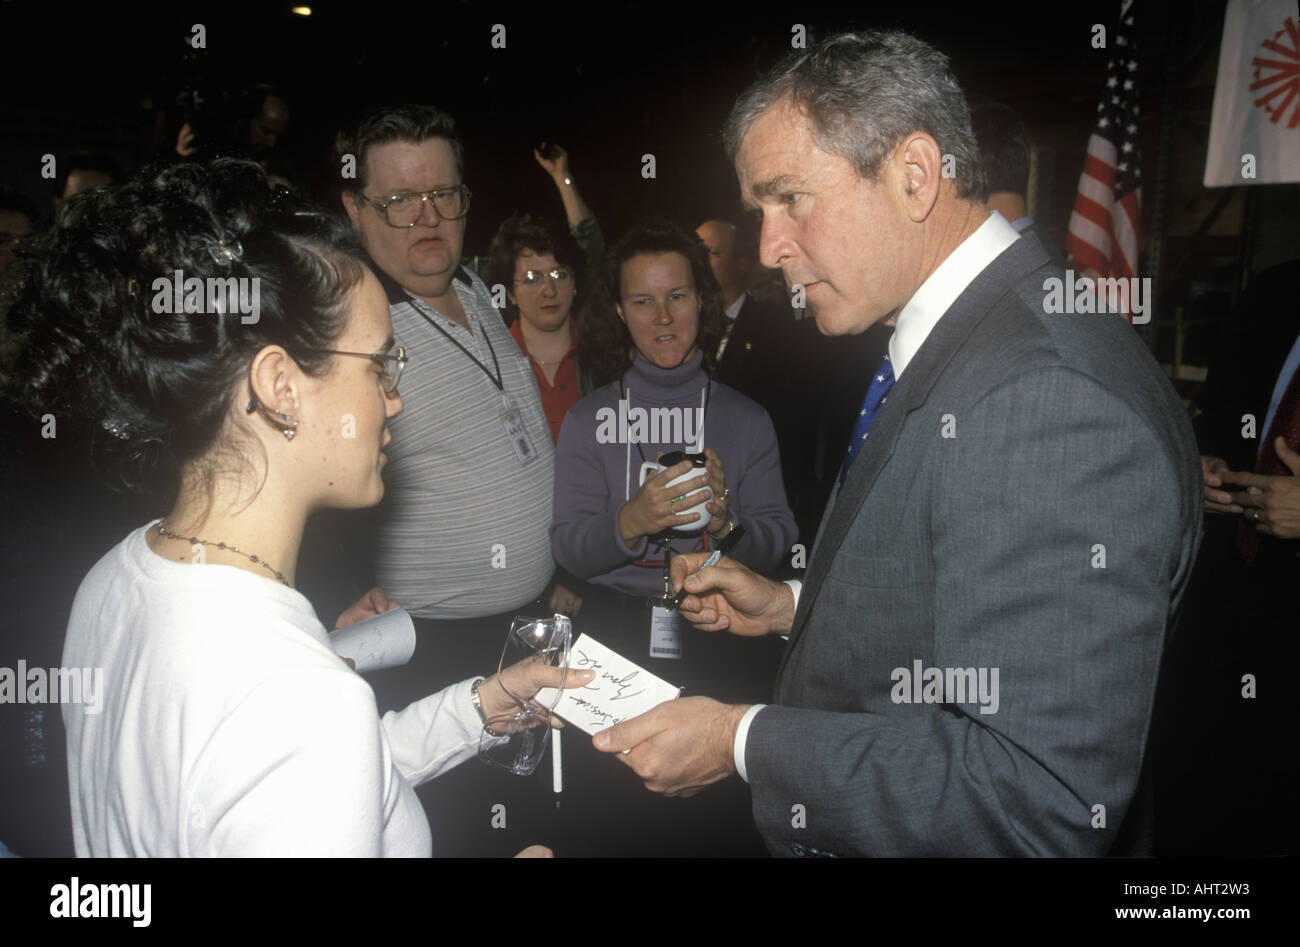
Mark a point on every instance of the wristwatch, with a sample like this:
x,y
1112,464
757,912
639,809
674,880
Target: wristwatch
x,y
728,542
728,527
478,705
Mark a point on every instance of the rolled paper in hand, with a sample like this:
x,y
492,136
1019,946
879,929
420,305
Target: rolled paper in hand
x,y
384,641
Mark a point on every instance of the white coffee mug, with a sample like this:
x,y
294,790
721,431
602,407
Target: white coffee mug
x,y
650,468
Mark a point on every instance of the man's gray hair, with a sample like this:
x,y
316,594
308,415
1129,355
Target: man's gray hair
x,y
862,94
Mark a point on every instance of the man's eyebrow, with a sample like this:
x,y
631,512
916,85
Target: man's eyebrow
x,y
406,192
782,182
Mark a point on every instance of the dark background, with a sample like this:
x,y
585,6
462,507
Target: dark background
x,y
615,81
611,82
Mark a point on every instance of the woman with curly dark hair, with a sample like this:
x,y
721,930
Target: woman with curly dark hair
x,y
231,349
648,332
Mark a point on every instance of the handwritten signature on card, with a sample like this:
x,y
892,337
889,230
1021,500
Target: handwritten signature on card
x,y
582,662
620,691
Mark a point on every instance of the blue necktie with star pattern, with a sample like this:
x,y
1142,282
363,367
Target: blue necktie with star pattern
x,y
881,383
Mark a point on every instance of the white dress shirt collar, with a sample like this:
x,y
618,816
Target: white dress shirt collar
x,y
941,289
734,309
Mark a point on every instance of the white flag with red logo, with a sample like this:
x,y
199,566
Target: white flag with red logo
x,y
1255,130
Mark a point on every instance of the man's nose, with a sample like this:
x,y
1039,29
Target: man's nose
x,y
428,215
774,245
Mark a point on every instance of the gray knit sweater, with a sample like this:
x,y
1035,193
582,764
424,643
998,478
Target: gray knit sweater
x,y
596,474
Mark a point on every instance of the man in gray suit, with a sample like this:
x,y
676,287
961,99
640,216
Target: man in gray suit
x,y
973,654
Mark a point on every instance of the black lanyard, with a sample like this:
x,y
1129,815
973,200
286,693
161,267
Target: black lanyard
x,y
708,394
495,379
666,543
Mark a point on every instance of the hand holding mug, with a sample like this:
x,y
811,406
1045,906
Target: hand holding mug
x,y
658,507
718,484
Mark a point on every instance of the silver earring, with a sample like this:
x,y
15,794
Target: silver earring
x,y
289,426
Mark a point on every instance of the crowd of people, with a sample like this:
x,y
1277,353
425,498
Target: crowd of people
x,y
394,427
457,486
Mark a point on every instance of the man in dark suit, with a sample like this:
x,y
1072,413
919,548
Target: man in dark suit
x,y
754,355
973,655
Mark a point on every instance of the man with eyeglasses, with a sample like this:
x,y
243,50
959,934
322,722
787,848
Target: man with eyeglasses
x,y
461,536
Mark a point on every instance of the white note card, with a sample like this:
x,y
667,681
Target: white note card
x,y
620,691
385,641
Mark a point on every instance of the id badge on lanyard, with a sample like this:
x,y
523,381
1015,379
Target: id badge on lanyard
x,y
513,421
665,622
665,633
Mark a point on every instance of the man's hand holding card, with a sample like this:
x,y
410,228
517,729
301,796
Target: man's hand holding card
x,y
677,746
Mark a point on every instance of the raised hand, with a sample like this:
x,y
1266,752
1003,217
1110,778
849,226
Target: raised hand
x,y
557,166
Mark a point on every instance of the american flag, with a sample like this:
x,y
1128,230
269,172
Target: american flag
x,y
1103,237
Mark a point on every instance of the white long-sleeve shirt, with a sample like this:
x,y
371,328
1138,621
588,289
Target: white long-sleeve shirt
x,y
227,725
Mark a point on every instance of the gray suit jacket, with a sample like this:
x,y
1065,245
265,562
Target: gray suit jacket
x,y
1029,501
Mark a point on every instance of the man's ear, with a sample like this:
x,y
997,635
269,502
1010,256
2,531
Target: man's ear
x,y
917,164
352,209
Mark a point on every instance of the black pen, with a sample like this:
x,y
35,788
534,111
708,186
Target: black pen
x,y
711,561
724,546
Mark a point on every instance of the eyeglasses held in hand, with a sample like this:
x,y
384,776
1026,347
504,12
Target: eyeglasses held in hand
x,y
516,742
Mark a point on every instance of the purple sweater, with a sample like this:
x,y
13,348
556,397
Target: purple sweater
x,y
595,478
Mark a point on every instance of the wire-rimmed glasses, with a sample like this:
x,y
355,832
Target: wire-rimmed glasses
x,y
560,275
393,363
406,209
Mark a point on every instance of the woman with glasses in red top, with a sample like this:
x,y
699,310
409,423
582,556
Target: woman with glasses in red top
x,y
539,263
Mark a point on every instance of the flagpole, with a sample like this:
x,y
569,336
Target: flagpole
x,y
1246,244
